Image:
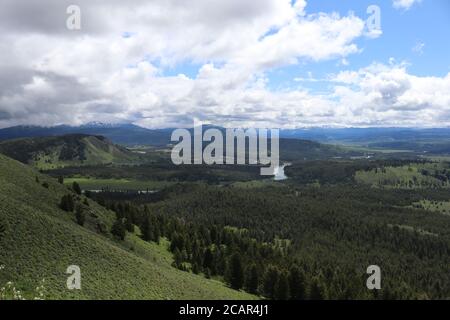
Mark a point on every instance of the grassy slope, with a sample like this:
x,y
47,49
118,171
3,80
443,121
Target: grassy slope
x,y
41,241
61,151
401,177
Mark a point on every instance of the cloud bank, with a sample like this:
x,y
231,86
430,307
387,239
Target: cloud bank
x,y
115,68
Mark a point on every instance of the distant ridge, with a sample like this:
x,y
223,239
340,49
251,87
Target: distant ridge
x,y
126,134
130,134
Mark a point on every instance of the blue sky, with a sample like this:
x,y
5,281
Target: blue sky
x,y
426,22
418,36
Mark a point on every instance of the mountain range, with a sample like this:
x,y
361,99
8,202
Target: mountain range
x,y
414,139
130,134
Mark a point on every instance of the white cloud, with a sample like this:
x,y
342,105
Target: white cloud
x,y
418,48
390,95
404,4
51,75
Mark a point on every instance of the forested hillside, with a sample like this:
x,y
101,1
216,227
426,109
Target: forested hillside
x,y
46,227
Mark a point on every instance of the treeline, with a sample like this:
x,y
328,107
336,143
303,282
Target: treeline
x,y
166,171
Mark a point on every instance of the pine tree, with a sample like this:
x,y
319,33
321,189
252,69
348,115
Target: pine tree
x,y
195,268
270,281
177,241
156,233
80,215
235,271
146,230
118,229
297,284
177,259
76,187
61,179
208,259
67,203
282,287
2,230
317,291
252,279
129,226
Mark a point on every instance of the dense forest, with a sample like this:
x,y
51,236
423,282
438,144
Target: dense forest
x,y
298,242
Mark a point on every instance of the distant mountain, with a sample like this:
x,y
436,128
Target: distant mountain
x,y
129,134
364,136
68,150
126,134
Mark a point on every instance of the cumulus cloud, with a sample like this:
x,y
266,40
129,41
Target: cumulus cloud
x,y
388,94
113,69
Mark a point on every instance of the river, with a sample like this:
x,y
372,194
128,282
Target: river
x,y
279,172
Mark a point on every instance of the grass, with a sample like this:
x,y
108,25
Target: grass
x,y
41,241
412,229
87,183
434,206
253,184
404,177
374,150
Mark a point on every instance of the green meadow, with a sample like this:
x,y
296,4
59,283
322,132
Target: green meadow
x,y
413,176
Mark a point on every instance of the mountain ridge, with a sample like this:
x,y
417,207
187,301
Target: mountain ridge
x,y
131,134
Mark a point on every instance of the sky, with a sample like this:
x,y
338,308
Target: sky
x,y
235,63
